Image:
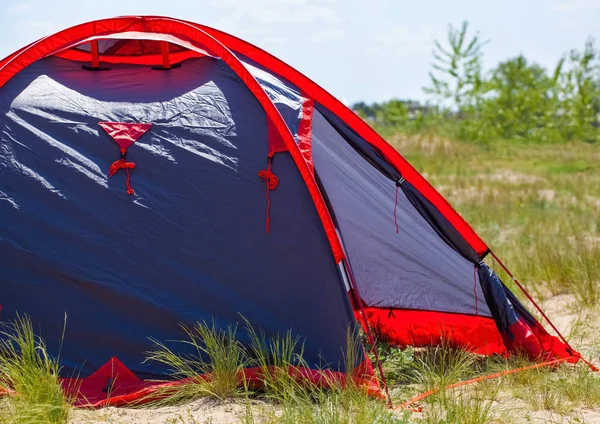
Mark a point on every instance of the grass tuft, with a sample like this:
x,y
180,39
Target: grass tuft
x,y
280,360
336,406
214,369
442,365
476,405
31,375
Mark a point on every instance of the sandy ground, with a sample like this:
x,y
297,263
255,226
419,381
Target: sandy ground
x,y
584,331
199,412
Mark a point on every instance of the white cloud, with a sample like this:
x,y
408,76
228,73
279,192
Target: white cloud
x,y
400,41
576,5
19,7
281,11
326,35
274,40
40,25
567,23
260,21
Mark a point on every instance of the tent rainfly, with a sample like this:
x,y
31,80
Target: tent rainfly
x,y
155,173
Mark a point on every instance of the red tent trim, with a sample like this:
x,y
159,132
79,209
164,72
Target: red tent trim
x,y
305,130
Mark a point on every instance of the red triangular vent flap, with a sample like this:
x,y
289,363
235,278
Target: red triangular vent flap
x,y
125,134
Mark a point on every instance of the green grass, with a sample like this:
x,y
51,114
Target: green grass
x,y
31,375
441,366
214,369
475,406
286,397
336,406
277,357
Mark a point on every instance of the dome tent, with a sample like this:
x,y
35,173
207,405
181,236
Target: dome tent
x,y
156,172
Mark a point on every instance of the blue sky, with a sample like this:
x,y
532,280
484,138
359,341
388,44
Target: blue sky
x,y
368,50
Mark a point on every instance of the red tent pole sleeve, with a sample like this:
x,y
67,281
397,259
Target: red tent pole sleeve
x,y
164,48
95,54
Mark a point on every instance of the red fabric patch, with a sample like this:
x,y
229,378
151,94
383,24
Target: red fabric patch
x,y
112,379
115,385
125,134
404,327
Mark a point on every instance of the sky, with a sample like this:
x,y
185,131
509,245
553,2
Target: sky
x,y
359,50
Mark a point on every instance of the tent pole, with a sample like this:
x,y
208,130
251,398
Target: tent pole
x,y
370,337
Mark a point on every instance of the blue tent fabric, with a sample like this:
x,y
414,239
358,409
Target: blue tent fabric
x,y
411,269
190,244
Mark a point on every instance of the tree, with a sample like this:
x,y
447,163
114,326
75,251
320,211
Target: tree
x,y
456,74
393,113
521,102
582,88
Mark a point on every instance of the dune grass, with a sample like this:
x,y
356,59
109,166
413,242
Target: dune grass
x,y
285,395
31,376
334,406
213,369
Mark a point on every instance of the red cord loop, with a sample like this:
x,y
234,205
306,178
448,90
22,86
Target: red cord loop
x,y
122,164
272,181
